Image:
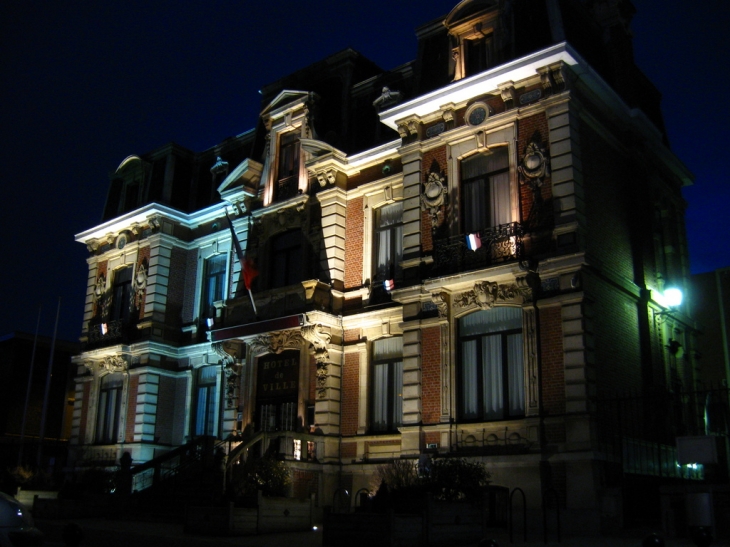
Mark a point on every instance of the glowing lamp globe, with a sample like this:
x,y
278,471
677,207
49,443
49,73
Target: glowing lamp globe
x,y
673,297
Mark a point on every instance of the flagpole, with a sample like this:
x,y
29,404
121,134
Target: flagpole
x,y
27,390
48,387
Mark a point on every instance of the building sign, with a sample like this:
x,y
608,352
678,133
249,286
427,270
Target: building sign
x,y
278,375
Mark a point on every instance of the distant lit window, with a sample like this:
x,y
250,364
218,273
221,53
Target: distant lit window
x,y
205,401
214,282
107,416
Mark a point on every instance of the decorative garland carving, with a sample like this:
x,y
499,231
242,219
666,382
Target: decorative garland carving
x,y
434,196
276,342
487,294
140,283
110,363
535,165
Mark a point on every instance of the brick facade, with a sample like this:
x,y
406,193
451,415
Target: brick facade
x,y
431,367
354,226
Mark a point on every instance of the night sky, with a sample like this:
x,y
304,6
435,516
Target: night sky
x,y
85,84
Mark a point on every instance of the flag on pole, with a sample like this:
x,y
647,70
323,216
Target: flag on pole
x,y
247,267
249,272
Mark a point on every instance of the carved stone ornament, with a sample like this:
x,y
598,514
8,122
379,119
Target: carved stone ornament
x,y
487,294
535,164
387,98
441,299
276,342
219,167
319,340
225,357
111,363
434,196
140,281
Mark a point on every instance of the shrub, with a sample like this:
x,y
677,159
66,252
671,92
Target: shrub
x,y
267,474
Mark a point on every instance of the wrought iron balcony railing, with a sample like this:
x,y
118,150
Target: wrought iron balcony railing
x,y
490,246
287,188
103,333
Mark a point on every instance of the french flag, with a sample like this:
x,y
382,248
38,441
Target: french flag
x,y
389,284
473,241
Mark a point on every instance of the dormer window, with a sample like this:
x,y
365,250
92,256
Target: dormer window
x,y
472,27
287,172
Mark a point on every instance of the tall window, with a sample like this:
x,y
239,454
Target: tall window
x,y
287,172
388,241
107,416
214,281
287,259
492,368
122,294
478,54
205,402
486,191
387,384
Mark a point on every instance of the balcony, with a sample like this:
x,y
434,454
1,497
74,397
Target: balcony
x,y
287,188
109,333
499,244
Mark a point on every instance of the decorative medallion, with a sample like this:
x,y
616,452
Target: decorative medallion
x,y
477,114
535,164
121,241
434,196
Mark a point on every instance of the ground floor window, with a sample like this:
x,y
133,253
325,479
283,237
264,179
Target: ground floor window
x,y
387,398
206,401
491,372
110,402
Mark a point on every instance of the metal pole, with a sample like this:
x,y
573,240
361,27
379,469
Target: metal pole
x,y
27,390
48,387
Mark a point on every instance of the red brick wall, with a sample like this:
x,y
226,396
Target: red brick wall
x,y
528,128
352,335
131,408
354,243
84,412
431,375
431,437
350,394
348,451
553,370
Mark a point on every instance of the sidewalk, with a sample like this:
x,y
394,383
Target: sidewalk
x,y
122,533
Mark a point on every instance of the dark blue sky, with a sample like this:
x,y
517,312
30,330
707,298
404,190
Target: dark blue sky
x,y
85,84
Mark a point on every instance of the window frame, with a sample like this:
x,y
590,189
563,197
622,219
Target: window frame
x,y
395,237
108,411
210,415
481,414
121,292
394,383
206,304
486,219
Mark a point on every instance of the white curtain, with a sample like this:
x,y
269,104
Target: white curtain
x,y
485,192
469,385
389,239
492,377
387,382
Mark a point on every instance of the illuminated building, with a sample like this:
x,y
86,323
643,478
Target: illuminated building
x,y
464,255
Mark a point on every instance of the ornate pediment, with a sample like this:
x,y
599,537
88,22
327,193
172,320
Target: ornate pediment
x,y
487,294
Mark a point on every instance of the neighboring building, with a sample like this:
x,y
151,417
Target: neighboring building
x,y
20,354
710,304
464,255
